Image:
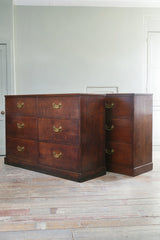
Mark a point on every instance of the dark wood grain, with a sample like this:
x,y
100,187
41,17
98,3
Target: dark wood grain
x,y
132,140
119,130
142,130
69,107
67,130
75,152
66,174
122,106
28,109
27,127
121,155
69,160
92,128
30,149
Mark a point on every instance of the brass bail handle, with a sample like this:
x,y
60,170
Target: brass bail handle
x,y
20,149
57,106
2,112
57,155
109,151
20,105
109,105
56,130
109,128
20,125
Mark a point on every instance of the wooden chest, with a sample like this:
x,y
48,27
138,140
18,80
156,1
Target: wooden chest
x,y
62,135
128,133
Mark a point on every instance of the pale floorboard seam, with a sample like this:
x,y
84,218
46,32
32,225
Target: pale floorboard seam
x,y
35,206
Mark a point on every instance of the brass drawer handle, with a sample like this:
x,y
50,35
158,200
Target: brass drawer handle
x,y
57,106
20,149
109,105
109,128
57,155
56,130
20,125
20,105
110,151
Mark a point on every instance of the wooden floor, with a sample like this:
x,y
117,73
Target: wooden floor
x,y
36,206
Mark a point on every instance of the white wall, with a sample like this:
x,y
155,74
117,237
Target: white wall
x,y
65,49
6,37
6,15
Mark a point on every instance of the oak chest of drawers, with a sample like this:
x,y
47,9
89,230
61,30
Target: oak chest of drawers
x,y
62,135
128,133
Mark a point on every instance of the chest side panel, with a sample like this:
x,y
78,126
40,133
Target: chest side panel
x,y
143,130
92,133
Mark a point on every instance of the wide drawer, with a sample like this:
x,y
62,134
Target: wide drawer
x,y
59,131
118,107
59,107
119,153
22,149
119,130
21,106
59,156
21,127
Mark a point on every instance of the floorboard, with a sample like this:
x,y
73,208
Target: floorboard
x,y
114,207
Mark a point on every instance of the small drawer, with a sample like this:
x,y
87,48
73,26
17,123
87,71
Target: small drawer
x,y
59,156
118,107
59,107
21,106
22,149
59,131
119,130
118,153
21,127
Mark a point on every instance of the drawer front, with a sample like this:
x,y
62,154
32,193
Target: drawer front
x,y
59,156
118,107
59,131
22,149
21,106
59,107
119,130
119,153
21,127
